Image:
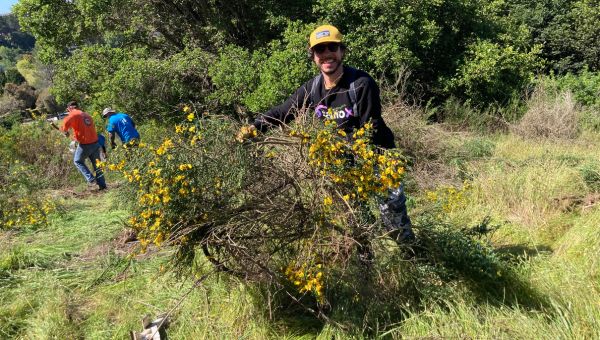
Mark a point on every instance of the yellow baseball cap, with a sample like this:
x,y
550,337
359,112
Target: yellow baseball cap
x,y
325,33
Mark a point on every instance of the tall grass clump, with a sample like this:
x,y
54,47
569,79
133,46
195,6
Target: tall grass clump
x,y
426,147
550,114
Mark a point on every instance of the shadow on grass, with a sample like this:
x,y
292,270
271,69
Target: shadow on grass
x,y
492,275
516,251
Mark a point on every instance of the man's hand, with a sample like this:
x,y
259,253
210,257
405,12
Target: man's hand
x,y
246,132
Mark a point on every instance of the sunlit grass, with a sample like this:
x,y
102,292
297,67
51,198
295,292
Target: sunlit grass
x,y
73,279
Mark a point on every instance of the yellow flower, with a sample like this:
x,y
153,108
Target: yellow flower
x,y
190,117
327,201
159,239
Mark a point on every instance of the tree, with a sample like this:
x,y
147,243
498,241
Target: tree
x,y
567,30
11,36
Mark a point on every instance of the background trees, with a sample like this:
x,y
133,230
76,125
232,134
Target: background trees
x,y
148,56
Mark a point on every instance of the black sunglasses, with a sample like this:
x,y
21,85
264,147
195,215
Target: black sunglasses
x,y
320,48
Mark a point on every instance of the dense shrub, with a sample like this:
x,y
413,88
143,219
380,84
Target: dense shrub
x,y
13,76
263,78
585,87
493,73
39,146
83,76
132,80
472,50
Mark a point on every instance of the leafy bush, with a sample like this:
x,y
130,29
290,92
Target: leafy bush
x,y
132,80
263,78
585,86
42,150
83,76
8,57
13,76
33,158
494,73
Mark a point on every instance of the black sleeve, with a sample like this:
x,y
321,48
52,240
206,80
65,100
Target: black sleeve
x,y
285,112
369,106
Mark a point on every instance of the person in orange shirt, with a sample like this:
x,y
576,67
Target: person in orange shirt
x,y
84,132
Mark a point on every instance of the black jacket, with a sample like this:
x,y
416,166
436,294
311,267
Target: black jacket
x,y
336,104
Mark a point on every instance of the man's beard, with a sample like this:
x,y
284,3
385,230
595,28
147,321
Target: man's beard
x,y
339,64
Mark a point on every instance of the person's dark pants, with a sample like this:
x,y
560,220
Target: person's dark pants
x,y
91,152
395,217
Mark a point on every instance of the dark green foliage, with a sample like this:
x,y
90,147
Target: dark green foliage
x,y
585,87
567,30
465,48
147,86
479,52
266,77
13,76
591,175
12,37
164,26
8,57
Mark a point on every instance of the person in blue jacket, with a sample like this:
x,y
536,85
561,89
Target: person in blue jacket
x,y
122,125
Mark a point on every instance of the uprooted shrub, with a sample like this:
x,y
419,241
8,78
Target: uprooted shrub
x,y
295,210
257,208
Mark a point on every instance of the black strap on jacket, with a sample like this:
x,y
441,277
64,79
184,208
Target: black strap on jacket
x,y
316,84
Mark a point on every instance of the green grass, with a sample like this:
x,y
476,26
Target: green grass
x,y
74,280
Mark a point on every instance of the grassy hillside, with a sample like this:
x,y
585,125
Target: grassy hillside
x,y
77,278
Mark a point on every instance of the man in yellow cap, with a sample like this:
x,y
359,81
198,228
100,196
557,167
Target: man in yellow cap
x,y
351,98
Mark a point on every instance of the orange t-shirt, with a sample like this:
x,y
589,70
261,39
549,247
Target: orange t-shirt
x,y
82,125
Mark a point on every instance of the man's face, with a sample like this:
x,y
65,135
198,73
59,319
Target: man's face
x,y
328,57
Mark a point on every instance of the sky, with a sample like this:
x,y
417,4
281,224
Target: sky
x,y
5,5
